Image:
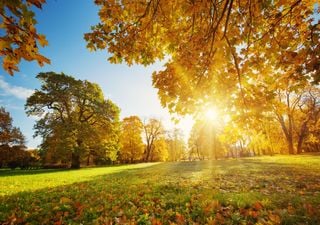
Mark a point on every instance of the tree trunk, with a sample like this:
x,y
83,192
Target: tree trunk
x,y
149,148
88,159
302,135
75,160
288,133
75,157
198,153
290,145
299,145
147,153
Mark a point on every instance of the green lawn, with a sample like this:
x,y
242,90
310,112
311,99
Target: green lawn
x,y
261,190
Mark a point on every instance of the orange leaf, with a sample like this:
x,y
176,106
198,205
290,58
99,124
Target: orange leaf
x,y
257,206
275,218
155,221
180,218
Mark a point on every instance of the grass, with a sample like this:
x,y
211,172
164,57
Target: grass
x,y
261,190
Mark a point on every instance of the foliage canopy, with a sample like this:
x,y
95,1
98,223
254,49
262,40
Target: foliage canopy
x,y
74,118
21,39
213,47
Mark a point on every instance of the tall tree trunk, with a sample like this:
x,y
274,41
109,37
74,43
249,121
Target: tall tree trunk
x,y
290,130
75,157
299,145
75,160
287,132
290,145
301,137
198,153
147,153
88,159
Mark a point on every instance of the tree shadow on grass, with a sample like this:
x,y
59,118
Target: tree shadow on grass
x,y
20,172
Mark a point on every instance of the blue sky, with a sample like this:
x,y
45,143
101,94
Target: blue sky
x,y
64,23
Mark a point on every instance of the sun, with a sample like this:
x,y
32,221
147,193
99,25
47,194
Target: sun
x,y
211,114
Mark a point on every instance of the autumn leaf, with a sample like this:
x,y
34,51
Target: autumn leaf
x,y
64,200
20,35
274,218
180,218
155,221
42,40
257,206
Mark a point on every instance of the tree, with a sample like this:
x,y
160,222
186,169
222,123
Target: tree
x,y
160,150
74,118
12,141
20,39
211,46
204,142
9,135
295,106
176,145
132,146
153,130
308,115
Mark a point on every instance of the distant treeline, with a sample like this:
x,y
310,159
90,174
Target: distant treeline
x,y
79,127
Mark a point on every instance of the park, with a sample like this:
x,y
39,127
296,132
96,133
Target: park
x,y
156,112
260,190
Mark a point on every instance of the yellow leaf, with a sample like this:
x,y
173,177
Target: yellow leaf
x,y
275,218
65,200
42,40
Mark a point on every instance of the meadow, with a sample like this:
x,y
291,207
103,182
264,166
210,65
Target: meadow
x,y
259,190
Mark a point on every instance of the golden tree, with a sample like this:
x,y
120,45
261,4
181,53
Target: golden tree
x,y
211,47
132,146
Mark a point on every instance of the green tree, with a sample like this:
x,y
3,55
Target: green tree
x,y
132,146
74,118
19,37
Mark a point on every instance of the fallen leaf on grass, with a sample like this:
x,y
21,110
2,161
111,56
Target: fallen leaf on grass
x,y
257,206
64,200
180,218
309,208
155,221
275,218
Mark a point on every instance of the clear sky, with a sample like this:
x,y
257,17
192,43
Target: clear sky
x,y
64,23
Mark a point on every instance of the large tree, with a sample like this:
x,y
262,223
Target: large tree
x,y
19,37
211,47
74,117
